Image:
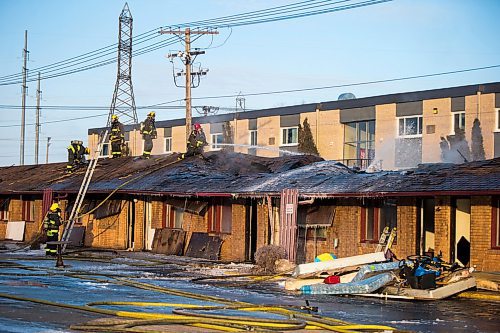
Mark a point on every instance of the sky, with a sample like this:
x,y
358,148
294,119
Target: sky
x,y
390,40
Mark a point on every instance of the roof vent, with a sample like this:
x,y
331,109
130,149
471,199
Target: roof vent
x,y
345,96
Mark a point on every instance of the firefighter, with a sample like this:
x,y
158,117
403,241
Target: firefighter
x,y
148,131
76,155
51,225
196,142
117,136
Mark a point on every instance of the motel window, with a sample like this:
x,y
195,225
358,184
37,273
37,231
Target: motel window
x,y
220,216
359,143
28,213
410,126
253,138
217,139
375,217
495,224
168,145
498,119
105,150
4,209
172,216
458,121
290,136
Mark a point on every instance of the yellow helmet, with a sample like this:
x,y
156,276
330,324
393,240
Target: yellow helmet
x,y
114,117
151,114
87,150
54,207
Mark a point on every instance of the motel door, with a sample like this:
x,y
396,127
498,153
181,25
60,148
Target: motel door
x,y
149,232
426,242
460,231
130,224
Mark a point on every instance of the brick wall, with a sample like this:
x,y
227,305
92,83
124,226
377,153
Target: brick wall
x,y
233,247
442,218
483,257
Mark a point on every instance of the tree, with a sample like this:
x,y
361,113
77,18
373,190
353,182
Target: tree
x,y
228,136
477,147
306,141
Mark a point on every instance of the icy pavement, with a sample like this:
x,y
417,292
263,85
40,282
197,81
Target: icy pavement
x,y
30,274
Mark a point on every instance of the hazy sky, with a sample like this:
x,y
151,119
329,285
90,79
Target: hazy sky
x,y
396,39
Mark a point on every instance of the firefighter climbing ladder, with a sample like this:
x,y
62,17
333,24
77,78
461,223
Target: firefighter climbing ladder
x,y
386,239
82,191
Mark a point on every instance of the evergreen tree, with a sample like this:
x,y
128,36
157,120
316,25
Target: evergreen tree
x,y
477,147
228,135
306,141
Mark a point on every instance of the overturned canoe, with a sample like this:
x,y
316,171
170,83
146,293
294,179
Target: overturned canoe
x,y
367,285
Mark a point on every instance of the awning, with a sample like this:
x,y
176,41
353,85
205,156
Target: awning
x,y
316,216
4,204
109,208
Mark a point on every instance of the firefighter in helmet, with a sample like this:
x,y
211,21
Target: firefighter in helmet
x,y
148,131
51,225
117,136
76,155
196,142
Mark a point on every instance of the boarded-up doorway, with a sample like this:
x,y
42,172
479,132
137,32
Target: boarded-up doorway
x,y
460,232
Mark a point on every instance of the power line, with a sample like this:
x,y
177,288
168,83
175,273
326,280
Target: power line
x,y
284,12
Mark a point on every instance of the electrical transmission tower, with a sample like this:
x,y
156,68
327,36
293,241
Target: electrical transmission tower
x,y
123,103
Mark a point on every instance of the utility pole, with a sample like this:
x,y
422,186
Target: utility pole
x,y
187,58
37,126
47,151
25,88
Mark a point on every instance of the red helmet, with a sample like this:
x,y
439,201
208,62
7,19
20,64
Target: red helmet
x,y
197,126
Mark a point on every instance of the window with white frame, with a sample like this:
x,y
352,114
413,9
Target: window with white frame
x,y
253,138
498,119
410,126
290,136
168,145
217,138
172,216
458,120
105,150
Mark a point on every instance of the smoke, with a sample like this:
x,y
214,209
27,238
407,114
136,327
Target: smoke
x,y
455,148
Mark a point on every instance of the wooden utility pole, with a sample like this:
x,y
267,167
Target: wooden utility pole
x,y
25,88
37,126
187,59
47,151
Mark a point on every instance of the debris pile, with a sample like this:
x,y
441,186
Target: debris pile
x,y
416,277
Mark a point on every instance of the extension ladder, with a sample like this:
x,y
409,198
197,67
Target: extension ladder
x,y
82,191
386,239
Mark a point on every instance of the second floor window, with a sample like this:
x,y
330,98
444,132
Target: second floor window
x,y
253,138
458,120
410,126
359,143
168,145
217,138
105,150
498,119
289,136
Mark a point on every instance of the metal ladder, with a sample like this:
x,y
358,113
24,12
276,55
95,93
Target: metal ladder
x,y
82,191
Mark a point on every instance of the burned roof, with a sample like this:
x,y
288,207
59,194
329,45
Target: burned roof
x,y
227,173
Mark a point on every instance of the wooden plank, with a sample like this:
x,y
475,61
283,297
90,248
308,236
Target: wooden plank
x,y
15,230
433,294
337,264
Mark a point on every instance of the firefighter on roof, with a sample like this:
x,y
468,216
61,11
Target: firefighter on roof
x,y
51,225
196,142
117,136
148,131
76,155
